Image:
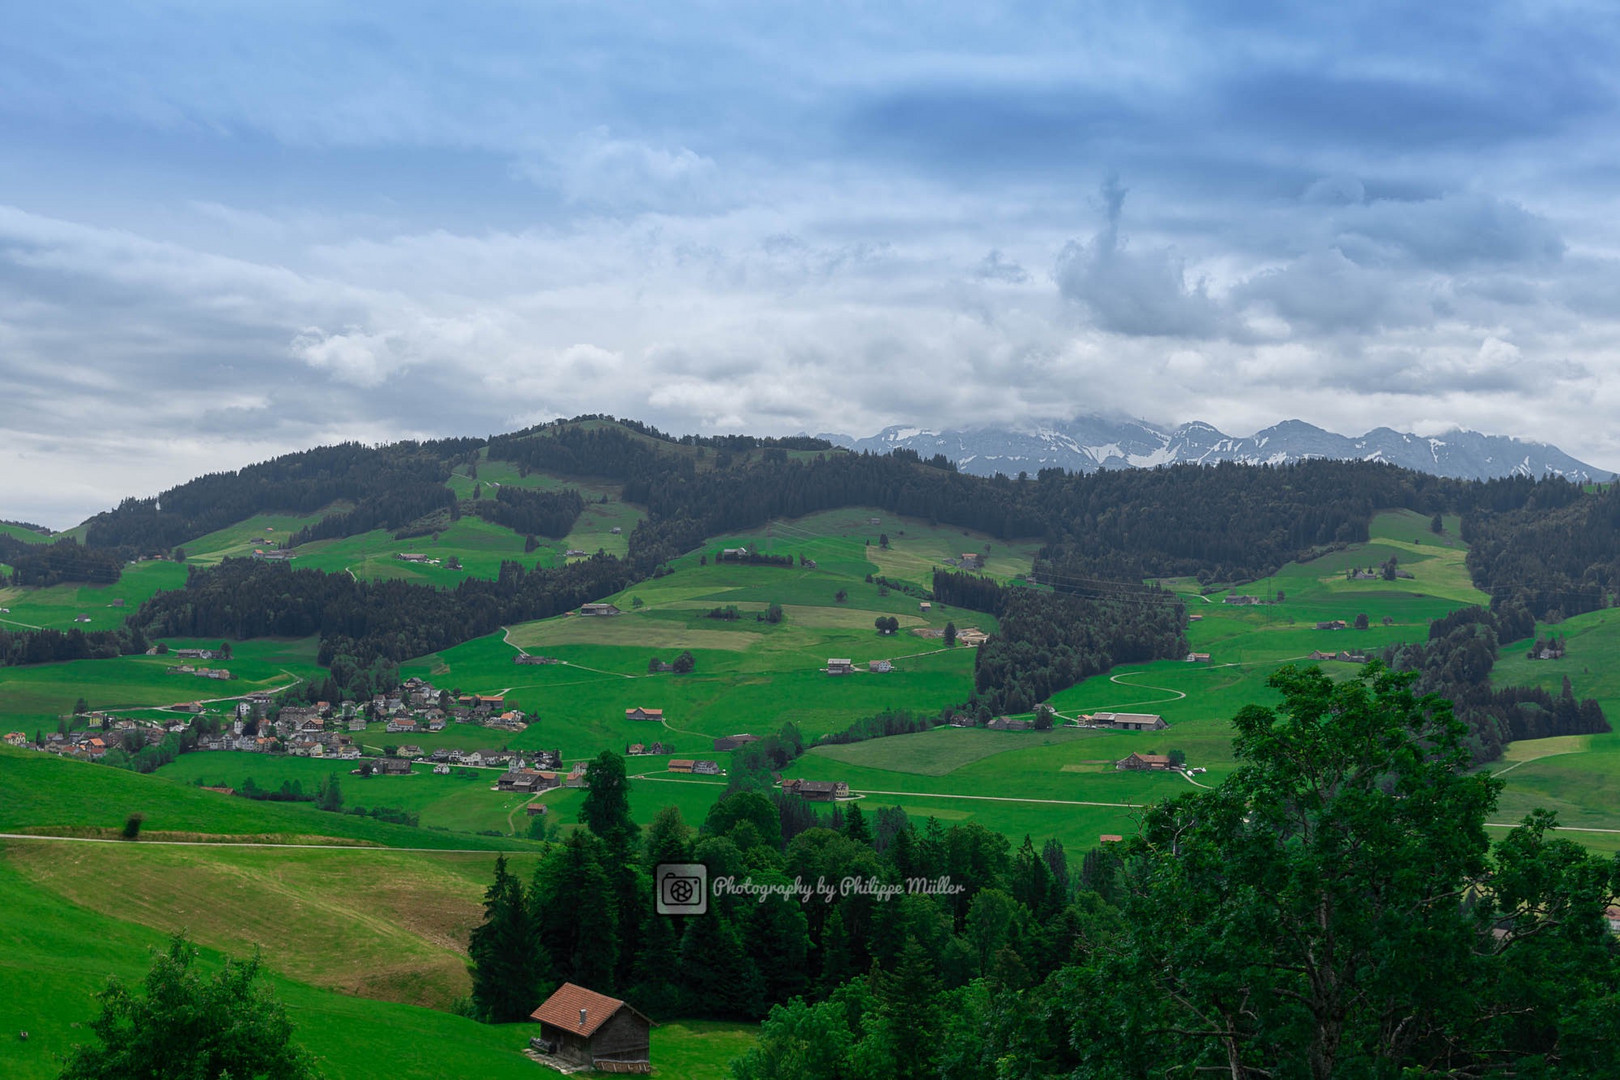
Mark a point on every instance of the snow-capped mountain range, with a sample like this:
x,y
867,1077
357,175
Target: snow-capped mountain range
x,y
1093,442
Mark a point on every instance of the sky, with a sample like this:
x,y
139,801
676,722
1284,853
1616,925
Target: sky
x,y
228,231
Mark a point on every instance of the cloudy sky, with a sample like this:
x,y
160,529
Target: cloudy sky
x,y
227,231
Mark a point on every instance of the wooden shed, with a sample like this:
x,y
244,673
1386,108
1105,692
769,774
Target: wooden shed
x,y
592,1029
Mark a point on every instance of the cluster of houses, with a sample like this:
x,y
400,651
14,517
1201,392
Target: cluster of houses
x,y
543,774
687,765
200,672
321,730
846,666
647,750
1342,656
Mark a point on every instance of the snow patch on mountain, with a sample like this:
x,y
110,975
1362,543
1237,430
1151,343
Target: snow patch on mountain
x,y
1089,443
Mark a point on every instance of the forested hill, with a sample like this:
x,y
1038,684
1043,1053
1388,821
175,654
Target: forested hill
x,y
389,485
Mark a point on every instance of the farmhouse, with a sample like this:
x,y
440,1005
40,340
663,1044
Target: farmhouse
x,y
1125,721
1007,723
879,665
816,790
415,558
403,724
925,606
394,767
598,609
733,742
971,560
577,553
706,768
1238,598
681,765
971,635
530,780
594,1030
1333,624
1198,658
639,713
840,666
1144,761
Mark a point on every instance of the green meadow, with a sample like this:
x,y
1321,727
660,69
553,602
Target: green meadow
x,y
456,802
351,939
36,696
17,532
42,793
59,607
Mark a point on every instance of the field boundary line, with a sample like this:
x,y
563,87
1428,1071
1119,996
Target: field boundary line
x,y
250,844
998,798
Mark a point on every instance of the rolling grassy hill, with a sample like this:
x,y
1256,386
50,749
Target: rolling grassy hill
x,y
35,696
366,928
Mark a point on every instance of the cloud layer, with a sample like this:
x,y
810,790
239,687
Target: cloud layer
x,y
224,234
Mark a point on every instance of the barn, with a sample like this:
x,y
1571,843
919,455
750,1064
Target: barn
x,y
591,1029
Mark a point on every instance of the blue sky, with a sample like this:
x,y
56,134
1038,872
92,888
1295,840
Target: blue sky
x,y
227,231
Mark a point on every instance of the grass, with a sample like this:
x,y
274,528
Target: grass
x,y
456,802
55,953
34,696
58,607
383,925
42,793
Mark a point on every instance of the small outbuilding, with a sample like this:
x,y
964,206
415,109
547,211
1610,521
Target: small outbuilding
x,y
594,1030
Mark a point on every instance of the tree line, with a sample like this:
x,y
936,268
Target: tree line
x,y
367,627
1456,662
299,483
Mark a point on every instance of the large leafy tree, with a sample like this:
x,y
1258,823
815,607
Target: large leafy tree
x,y
1320,914
187,1027
606,808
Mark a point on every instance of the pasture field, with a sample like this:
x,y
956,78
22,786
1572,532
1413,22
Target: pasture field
x,y
456,802
42,793
984,775
1576,775
58,607
35,696
261,532
480,545
56,952
28,536
605,509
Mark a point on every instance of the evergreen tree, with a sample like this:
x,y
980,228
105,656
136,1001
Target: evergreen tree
x,y
909,1000
855,825
574,903
950,635
506,960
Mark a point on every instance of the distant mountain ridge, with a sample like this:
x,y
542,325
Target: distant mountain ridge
x,y
1088,443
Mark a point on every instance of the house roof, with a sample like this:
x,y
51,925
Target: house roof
x,y
563,1009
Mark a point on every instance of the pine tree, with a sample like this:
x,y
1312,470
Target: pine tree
x,y
507,961
908,998
575,905
855,825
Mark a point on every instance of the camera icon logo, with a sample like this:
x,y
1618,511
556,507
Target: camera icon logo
x,y
683,888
